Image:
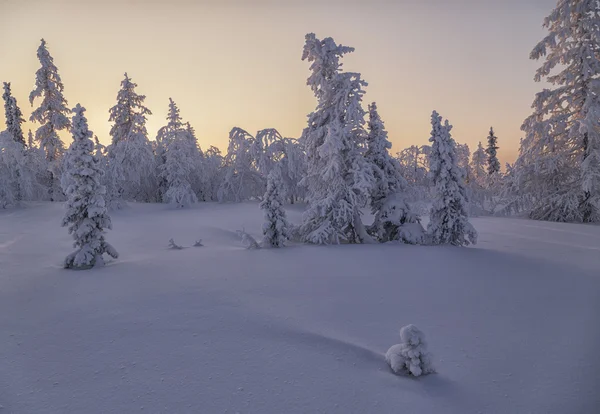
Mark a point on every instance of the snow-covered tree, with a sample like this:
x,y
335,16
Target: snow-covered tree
x,y
197,175
241,180
448,221
165,134
512,200
414,166
463,159
389,187
7,193
212,173
288,155
493,165
275,227
179,161
17,176
52,114
86,215
410,356
559,154
38,168
270,150
478,163
13,114
99,148
129,156
339,178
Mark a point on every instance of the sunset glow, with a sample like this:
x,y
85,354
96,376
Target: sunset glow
x,y
237,63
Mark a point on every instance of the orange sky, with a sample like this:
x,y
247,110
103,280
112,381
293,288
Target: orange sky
x,y
237,63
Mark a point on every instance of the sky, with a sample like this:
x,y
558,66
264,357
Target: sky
x,y
230,63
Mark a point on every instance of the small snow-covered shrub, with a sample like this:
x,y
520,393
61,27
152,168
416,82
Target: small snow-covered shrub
x,y
396,220
410,356
248,241
275,227
174,246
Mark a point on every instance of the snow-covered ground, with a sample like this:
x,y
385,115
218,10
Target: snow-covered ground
x,y
513,323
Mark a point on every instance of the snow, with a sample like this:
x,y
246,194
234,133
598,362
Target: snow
x,y
512,322
410,356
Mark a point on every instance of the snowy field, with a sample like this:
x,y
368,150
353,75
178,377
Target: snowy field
x,y
513,323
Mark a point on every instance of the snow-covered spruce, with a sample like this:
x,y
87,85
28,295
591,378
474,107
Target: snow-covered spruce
x,y
478,163
179,162
52,114
559,157
275,227
448,221
86,215
493,165
389,193
338,176
130,160
16,176
13,114
463,160
242,179
410,356
212,173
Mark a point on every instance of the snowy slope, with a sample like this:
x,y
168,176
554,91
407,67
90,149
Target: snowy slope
x,y
512,323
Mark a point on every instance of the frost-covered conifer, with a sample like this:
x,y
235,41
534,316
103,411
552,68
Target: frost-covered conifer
x,y
212,173
129,156
197,176
448,221
52,114
478,163
179,161
17,176
338,178
463,158
493,165
559,156
86,215
14,116
414,163
293,168
241,180
410,356
479,180
390,188
275,227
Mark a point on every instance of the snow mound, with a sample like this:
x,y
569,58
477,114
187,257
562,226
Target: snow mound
x,y
410,356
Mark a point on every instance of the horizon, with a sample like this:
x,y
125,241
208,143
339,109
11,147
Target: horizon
x,y
485,78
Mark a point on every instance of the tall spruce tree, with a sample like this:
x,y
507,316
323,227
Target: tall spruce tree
x,y
448,221
129,156
390,189
493,165
559,157
86,216
179,160
339,178
52,114
478,163
14,116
